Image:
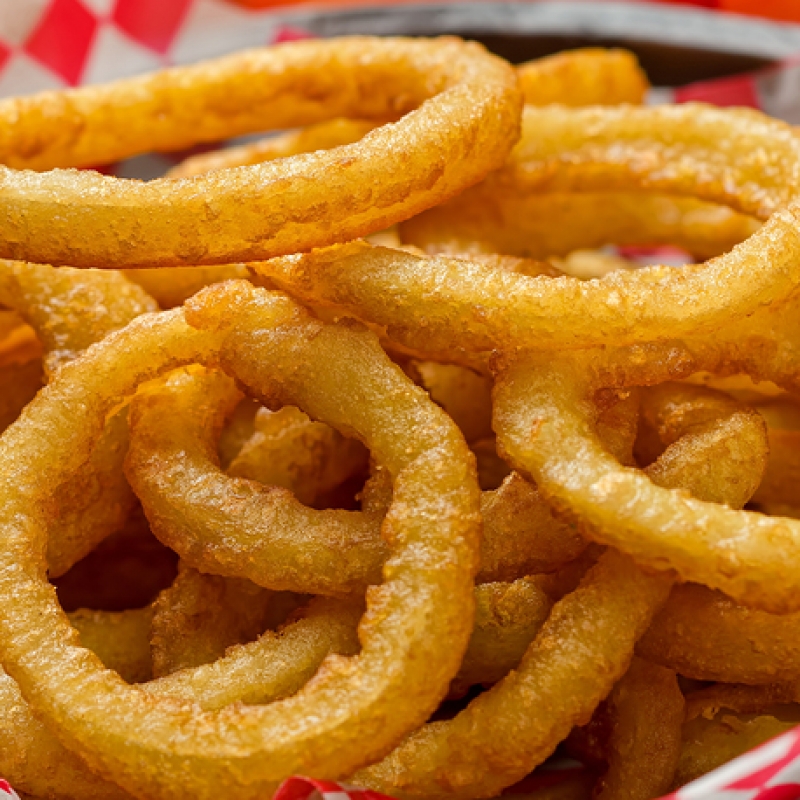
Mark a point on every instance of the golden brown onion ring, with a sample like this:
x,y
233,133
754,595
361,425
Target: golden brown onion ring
x,y
447,759
544,419
591,76
239,528
275,666
736,157
233,526
586,77
200,616
707,636
582,650
445,308
70,310
645,712
696,413
461,108
547,224
420,615
702,633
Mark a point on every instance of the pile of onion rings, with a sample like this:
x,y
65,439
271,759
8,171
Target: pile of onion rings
x,y
414,510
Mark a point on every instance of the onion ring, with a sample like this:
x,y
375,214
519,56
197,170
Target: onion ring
x,y
39,646
597,624
70,310
543,225
746,555
586,77
695,412
591,76
223,611
707,636
275,666
645,711
446,760
239,528
690,418
740,158
462,110
702,633
236,527
444,308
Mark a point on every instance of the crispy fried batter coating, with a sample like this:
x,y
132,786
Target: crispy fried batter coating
x,y
235,527
70,310
583,648
457,106
200,616
646,710
586,77
446,308
420,617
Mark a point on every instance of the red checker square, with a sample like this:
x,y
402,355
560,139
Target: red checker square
x,y
153,23
5,54
735,91
62,39
289,33
701,3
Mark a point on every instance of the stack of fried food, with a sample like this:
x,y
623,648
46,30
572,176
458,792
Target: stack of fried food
x,y
411,482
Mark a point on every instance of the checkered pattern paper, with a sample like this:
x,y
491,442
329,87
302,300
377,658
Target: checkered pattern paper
x,y
309,789
7,793
51,44
770,772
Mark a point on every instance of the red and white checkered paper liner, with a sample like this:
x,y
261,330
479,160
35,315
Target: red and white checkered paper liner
x,y
7,792
770,772
50,44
